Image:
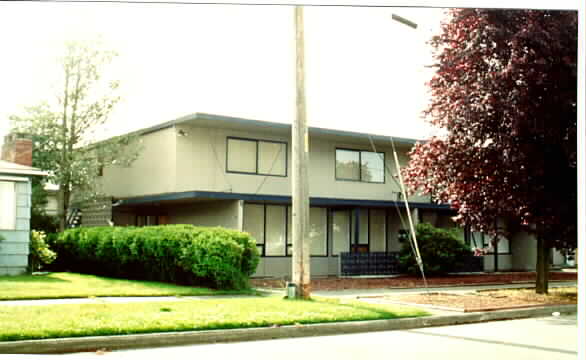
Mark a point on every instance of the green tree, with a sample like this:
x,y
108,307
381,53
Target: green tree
x,y
64,130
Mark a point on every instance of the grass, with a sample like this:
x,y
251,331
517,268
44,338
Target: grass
x,y
71,285
58,321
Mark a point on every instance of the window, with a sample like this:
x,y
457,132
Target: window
x,y
378,221
340,231
275,241
148,220
271,226
317,233
356,165
254,223
363,230
258,157
502,244
7,205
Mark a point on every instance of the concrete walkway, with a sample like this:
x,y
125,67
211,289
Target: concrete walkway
x,y
345,294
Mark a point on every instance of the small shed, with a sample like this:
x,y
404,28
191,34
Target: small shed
x,y
15,214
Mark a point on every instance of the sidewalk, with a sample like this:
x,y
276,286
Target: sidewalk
x,y
438,318
342,294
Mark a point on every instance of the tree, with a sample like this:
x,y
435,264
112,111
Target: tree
x,y
64,131
505,93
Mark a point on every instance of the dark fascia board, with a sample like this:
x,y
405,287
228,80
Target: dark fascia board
x,y
316,201
270,125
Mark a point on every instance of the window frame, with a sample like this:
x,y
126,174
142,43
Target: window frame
x,y
288,243
257,155
331,229
266,239
326,237
14,206
359,166
486,239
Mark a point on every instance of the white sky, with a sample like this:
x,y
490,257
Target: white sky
x,y
365,72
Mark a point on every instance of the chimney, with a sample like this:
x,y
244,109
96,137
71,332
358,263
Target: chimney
x,y
18,148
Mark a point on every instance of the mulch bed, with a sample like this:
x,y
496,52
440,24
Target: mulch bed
x,y
481,301
404,281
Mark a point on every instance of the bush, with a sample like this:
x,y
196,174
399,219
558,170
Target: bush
x,y
183,254
440,250
39,251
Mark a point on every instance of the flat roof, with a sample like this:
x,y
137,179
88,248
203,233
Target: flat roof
x,y
187,196
229,122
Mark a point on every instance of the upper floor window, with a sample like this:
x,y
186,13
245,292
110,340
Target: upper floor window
x,y
260,157
7,205
357,165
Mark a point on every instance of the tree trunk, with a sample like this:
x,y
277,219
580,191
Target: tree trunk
x,y
542,280
63,209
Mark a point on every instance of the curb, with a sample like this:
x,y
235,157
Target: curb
x,y
117,342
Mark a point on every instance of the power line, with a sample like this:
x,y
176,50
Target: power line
x,y
412,238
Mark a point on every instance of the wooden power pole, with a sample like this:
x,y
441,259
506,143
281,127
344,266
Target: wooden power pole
x,y
300,180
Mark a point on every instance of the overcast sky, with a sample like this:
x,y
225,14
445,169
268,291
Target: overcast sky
x,y
365,72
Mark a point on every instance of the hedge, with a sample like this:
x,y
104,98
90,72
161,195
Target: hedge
x,y
183,254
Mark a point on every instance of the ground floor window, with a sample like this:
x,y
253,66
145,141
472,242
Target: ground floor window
x,y
331,230
271,226
377,226
502,245
275,230
150,220
254,224
340,230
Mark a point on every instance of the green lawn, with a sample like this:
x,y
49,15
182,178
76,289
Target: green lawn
x,y
71,285
187,314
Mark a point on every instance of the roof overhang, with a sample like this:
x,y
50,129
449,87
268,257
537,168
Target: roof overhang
x,y
195,196
235,123
10,168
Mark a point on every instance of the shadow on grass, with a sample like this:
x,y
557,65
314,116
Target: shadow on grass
x,y
33,279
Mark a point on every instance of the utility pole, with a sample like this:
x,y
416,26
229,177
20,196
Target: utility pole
x,y
300,180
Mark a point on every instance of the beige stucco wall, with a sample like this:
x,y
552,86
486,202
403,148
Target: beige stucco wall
x,y
223,213
524,247
201,165
152,173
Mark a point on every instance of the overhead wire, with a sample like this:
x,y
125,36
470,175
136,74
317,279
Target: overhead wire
x,y
412,238
270,169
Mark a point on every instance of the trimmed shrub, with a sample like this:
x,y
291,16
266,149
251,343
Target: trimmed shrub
x,y
184,254
39,251
440,249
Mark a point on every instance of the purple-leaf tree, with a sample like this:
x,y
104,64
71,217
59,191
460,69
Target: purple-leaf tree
x,y
504,91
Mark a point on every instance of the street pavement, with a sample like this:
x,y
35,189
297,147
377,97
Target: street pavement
x,y
552,338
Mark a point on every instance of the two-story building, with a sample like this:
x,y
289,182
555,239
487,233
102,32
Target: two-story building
x,y
212,170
